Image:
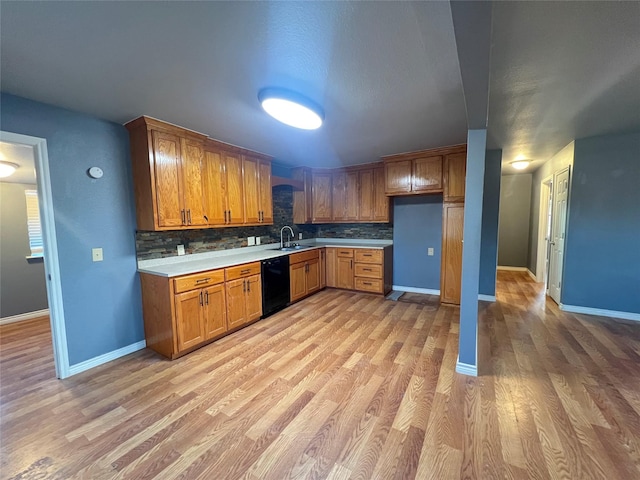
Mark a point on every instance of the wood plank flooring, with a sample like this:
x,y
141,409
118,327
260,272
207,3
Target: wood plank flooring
x,y
339,386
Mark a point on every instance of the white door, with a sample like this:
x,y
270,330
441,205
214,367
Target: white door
x,y
558,231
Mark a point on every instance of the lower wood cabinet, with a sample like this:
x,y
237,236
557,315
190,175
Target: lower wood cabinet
x,y
451,266
186,312
362,269
304,270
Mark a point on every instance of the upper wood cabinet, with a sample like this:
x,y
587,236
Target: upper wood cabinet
x,y
423,172
455,172
183,179
321,197
351,195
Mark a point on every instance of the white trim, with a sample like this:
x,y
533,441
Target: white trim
x,y
24,316
426,291
487,298
466,369
512,269
106,357
541,260
600,312
51,263
533,277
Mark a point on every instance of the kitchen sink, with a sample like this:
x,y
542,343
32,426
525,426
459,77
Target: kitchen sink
x,y
293,248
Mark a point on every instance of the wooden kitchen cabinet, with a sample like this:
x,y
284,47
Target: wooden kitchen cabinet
x,y
344,268
451,262
330,267
304,274
321,194
363,269
455,173
183,313
323,267
183,180
302,202
414,173
244,294
373,203
345,196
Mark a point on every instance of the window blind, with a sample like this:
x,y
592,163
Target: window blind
x,y
33,224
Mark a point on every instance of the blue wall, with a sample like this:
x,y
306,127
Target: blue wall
x,y
417,226
602,262
490,215
101,300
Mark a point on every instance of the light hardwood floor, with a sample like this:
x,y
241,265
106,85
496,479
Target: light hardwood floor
x,y
344,386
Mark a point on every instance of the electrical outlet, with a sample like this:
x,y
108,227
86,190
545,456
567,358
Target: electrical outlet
x,y
300,236
96,254
180,249
258,240
251,241
430,251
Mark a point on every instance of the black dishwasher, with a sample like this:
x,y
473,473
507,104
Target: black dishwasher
x,y
275,285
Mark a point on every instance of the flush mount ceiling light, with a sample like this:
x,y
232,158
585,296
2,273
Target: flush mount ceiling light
x,y
7,168
520,164
291,108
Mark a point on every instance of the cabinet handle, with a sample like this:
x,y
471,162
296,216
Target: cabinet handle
x,y
366,269
201,299
225,216
189,216
203,280
351,264
206,298
248,285
244,285
366,283
366,254
229,216
182,216
246,270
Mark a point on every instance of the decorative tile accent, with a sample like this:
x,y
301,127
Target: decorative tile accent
x,y
151,245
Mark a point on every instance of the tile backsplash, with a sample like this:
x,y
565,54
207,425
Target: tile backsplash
x,y
151,245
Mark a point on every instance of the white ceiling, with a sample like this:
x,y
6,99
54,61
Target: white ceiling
x,y
386,73
23,156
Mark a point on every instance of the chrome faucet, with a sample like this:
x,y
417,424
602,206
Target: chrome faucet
x,y
281,233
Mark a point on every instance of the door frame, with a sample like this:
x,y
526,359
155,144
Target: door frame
x,y
556,174
51,262
546,191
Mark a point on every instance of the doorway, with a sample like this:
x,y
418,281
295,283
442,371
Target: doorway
x,y
558,221
50,247
544,231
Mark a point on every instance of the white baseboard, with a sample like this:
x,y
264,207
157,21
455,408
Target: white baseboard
x,y
106,357
487,298
426,291
24,316
600,312
512,269
466,369
535,279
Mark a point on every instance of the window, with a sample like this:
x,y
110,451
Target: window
x,y
33,224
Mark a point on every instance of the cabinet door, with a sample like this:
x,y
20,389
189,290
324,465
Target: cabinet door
x,y
397,176
190,319
254,298
168,179
215,311
427,174
236,293
365,194
451,276
235,194
323,268
266,197
297,274
351,196
380,200
338,196
302,199
192,181
331,277
313,276
321,197
344,273
455,172
251,185
215,187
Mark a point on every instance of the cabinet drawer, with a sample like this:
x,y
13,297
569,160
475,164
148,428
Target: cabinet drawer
x,y
198,280
303,256
344,252
369,285
366,255
368,270
242,270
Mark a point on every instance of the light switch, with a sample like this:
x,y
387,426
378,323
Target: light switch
x,y
180,249
430,251
251,241
258,240
96,254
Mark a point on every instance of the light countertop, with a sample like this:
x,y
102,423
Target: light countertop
x,y
200,262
